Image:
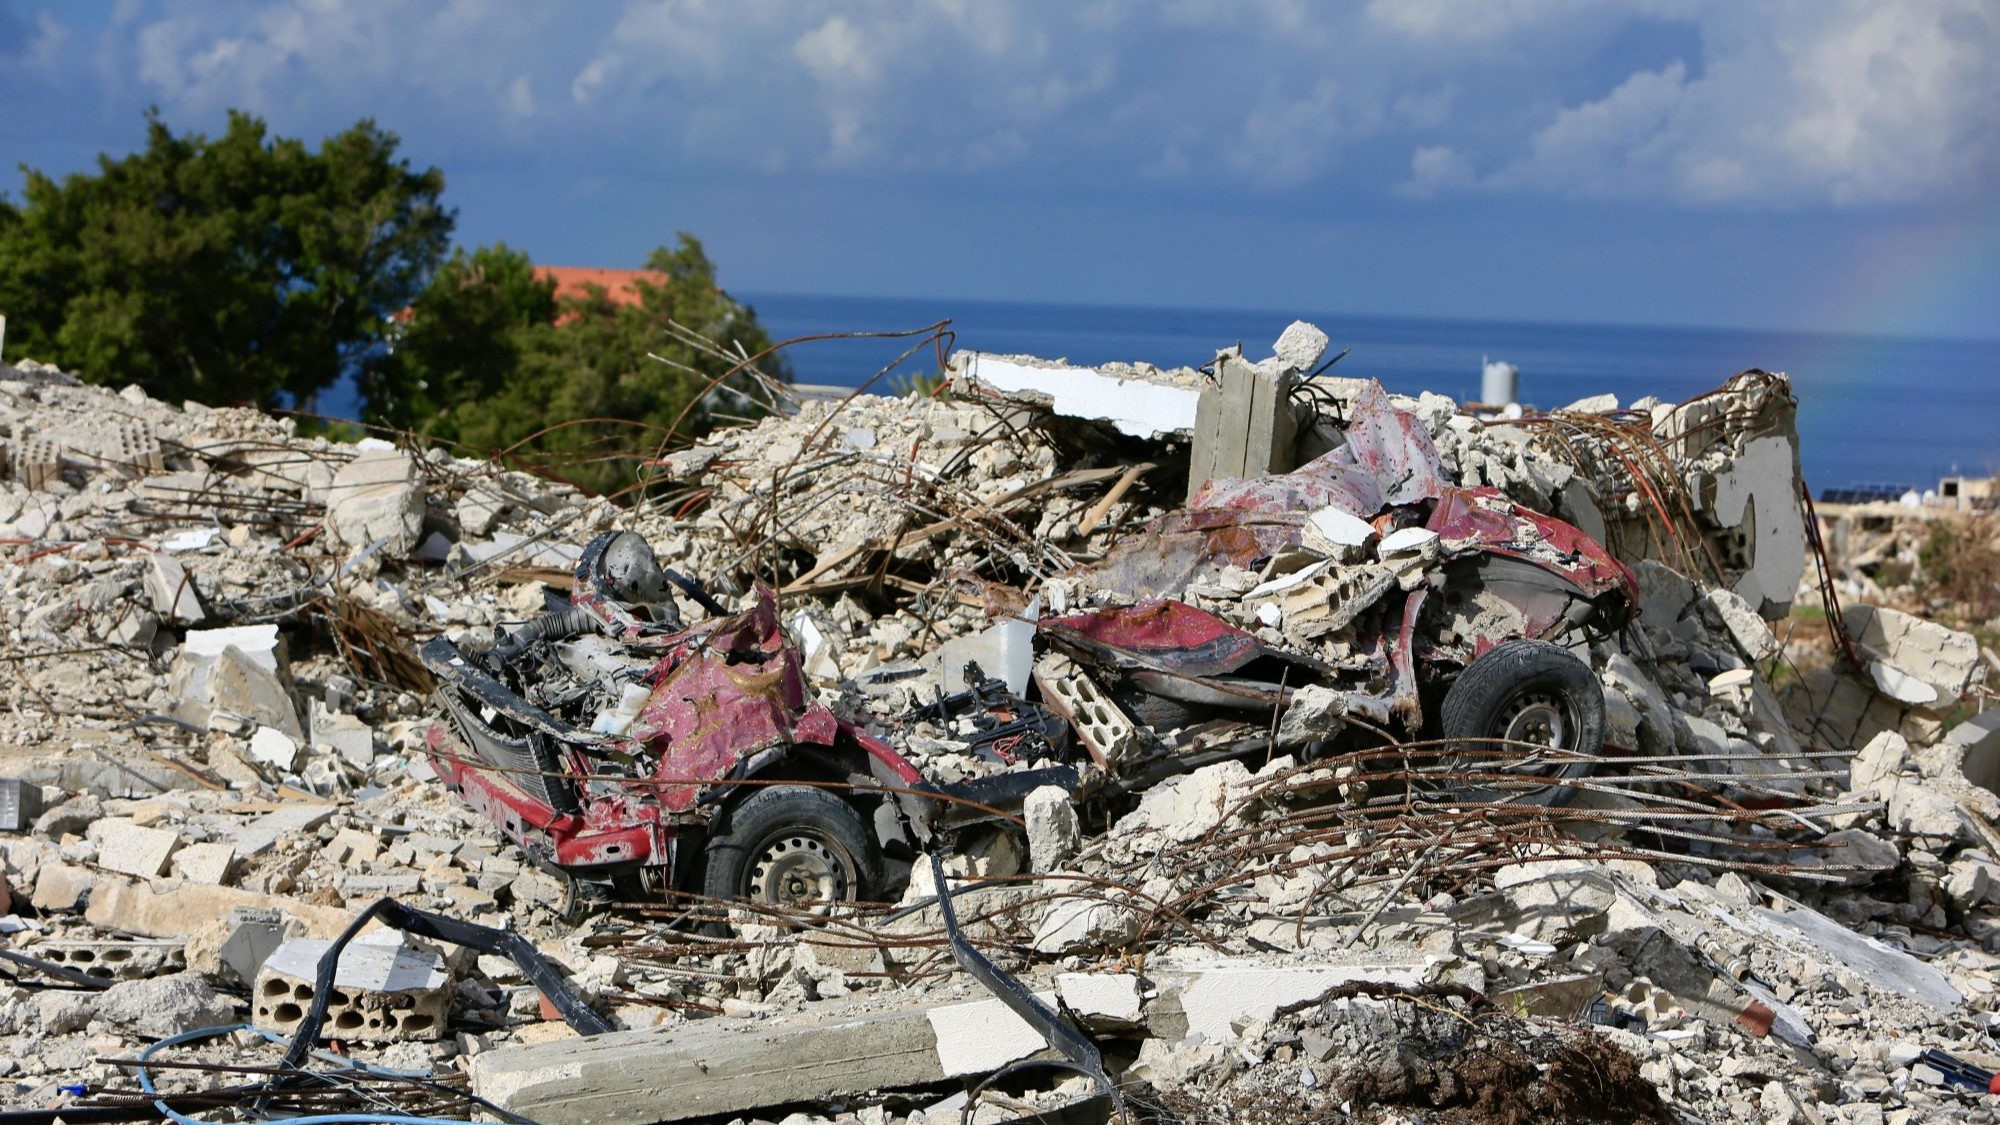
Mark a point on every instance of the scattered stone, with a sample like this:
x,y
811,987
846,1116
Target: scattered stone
x,y
1053,834
128,849
162,1006
206,863
376,497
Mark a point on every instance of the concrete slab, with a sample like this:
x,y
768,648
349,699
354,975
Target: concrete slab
x,y
719,1067
128,849
1132,406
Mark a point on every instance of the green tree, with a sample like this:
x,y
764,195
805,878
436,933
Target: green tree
x,y
459,342
578,393
232,269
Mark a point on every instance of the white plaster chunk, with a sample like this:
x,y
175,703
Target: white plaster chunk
x,y
1132,406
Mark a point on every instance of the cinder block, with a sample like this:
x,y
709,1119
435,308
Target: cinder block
x,y
114,960
382,993
1105,729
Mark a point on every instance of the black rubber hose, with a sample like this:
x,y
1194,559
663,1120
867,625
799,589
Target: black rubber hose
x,y
572,622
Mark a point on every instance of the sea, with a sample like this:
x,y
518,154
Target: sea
x,y
1874,411
1885,413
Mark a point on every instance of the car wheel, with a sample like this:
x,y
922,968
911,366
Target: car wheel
x,y
793,848
1523,691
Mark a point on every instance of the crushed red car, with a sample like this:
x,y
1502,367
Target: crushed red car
x,y
637,755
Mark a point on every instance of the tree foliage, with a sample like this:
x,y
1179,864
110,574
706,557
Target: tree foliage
x,y
247,268
231,269
489,359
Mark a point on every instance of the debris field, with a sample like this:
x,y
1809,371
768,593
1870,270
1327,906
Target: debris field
x,y
1071,743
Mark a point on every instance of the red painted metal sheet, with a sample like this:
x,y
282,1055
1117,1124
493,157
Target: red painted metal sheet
x,y
724,694
1170,634
883,755
1483,519
1394,448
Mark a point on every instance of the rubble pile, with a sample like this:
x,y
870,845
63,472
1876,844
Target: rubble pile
x,y
238,657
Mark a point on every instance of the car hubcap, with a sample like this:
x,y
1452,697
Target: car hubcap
x,y
1535,717
799,871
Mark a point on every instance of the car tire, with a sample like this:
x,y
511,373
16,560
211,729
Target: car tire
x,y
790,846
1529,691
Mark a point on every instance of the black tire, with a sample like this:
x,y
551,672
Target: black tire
x,y
1528,691
789,846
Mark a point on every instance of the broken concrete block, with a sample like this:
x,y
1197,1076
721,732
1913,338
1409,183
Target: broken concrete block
x,y
376,496
1408,541
1743,624
1075,923
1099,723
225,676
352,847
1103,1001
171,590
1053,832
234,947
1944,660
128,849
1336,534
206,863
1656,731
712,1068
1885,756
1219,994
1920,809
1187,807
162,1006
1243,426
179,910
276,749
61,1013
258,836
480,508
384,992
1972,881
116,959
1300,345
1557,906
60,888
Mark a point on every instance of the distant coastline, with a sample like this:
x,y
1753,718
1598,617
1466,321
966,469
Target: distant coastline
x,y
1873,409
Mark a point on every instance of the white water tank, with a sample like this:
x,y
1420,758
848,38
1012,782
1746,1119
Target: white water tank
x,y
1499,382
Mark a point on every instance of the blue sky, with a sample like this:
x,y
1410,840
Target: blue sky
x,y
1815,164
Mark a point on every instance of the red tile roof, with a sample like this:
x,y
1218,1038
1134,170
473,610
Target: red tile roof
x,y
571,281
617,284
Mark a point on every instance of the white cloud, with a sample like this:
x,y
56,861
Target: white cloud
x,y
1771,103
1434,169
45,50
520,97
1473,20
835,54
1284,141
1828,101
